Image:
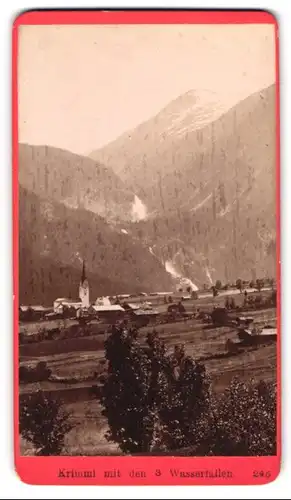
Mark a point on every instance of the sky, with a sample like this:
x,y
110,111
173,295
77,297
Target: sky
x,y
80,87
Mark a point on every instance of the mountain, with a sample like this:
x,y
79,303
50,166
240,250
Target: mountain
x,y
53,240
172,168
191,191
76,181
143,156
210,191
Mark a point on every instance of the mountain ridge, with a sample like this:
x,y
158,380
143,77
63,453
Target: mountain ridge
x,y
47,171
53,237
221,179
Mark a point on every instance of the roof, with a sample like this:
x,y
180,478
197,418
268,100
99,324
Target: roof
x,y
147,312
61,300
114,307
132,306
68,301
40,308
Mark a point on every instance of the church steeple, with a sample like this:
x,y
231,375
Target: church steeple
x,y
83,277
84,288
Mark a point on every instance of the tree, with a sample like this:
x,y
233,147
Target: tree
x,y
232,303
189,289
214,291
194,295
39,373
181,308
252,284
186,403
219,316
241,422
239,284
218,285
272,281
44,423
150,398
273,299
125,392
259,284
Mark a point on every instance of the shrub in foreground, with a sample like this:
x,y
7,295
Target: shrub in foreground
x,y
44,423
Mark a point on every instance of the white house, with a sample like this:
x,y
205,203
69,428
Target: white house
x,y
59,304
186,286
103,301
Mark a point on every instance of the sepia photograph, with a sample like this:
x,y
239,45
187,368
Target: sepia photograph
x,y
148,253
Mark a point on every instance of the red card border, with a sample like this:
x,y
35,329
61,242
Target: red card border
x,y
45,470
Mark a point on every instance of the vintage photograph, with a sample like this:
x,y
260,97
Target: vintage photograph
x,y
147,240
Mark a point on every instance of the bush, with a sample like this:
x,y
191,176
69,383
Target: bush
x,y
219,316
44,423
38,374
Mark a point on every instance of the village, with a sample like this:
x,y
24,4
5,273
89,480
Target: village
x,y
144,309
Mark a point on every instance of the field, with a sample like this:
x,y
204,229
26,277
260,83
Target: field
x,y
77,362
